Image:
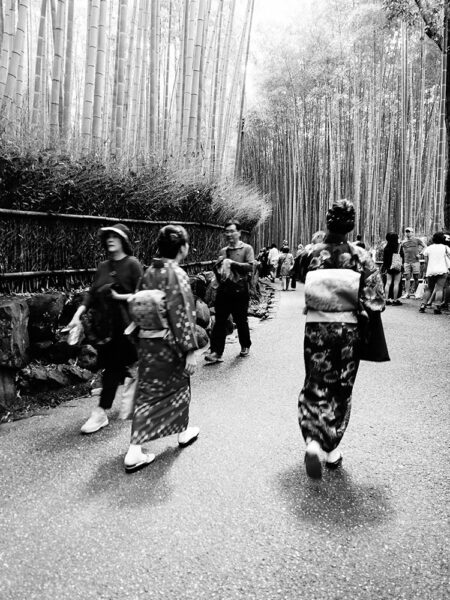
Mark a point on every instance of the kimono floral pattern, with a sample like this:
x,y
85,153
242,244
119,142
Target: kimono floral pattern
x,y
163,391
331,364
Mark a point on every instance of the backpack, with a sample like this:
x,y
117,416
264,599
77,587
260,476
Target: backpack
x,y
396,262
148,309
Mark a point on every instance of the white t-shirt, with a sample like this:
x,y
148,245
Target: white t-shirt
x,y
273,256
438,264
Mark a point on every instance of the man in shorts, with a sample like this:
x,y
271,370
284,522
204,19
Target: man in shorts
x,y
412,247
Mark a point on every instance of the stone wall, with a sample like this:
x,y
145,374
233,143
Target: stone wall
x,y
34,354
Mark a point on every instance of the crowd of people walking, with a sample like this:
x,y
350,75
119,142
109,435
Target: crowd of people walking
x,y
148,319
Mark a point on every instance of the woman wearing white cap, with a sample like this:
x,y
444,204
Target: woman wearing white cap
x,y
115,282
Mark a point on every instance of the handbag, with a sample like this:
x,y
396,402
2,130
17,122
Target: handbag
x,y
420,291
97,326
396,262
373,345
372,341
126,410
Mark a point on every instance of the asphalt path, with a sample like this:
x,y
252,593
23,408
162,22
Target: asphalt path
x,y
234,515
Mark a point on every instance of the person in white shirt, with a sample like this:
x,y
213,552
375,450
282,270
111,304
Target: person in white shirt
x,y
273,261
437,265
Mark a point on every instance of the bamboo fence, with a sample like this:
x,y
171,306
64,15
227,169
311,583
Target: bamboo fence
x,y
41,250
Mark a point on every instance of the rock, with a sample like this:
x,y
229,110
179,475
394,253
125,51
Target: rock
x,y
198,285
45,310
60,352
202,336
14,340
38,351
56,377
70,307
76,373
203,313
7,388
36,378
87,359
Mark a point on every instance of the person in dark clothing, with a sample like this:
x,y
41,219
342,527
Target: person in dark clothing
x,y
359,241
115,282
263,260
392,267
232,270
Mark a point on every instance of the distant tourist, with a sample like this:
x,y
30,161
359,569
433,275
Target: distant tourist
x,y
359,241
233,269
286,265
114,283
392,267
273,261
263,260
437,266
283,250
296,268
164,310
412,248
338,277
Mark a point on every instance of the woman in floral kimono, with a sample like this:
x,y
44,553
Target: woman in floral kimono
x,y
166,350
337,275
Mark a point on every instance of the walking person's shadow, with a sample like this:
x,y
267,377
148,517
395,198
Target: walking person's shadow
x,y
336,500
149,486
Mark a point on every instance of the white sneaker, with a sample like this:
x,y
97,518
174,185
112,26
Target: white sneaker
x,y
188,436
334,459
96,421
404,296
134,461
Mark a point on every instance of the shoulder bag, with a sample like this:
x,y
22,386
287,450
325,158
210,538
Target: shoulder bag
x,y
396,261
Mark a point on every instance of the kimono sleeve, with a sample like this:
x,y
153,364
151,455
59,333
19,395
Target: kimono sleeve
x,y
372,292
181,310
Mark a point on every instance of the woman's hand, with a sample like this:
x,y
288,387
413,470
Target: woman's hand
x,y
191,363
116,296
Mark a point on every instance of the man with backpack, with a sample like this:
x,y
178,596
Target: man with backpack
x,y
233,270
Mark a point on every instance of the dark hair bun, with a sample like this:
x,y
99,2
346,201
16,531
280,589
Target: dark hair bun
x,y
170,239
341,217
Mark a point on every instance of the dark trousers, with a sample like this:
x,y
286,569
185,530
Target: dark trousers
x,y
226,305
115,358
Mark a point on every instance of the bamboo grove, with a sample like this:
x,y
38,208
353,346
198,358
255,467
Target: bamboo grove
x,y
134,81
354,110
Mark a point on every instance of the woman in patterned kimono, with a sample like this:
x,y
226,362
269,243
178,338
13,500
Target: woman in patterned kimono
x,y
332,339
166,355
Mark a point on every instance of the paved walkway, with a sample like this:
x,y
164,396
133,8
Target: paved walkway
x,y
234,515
